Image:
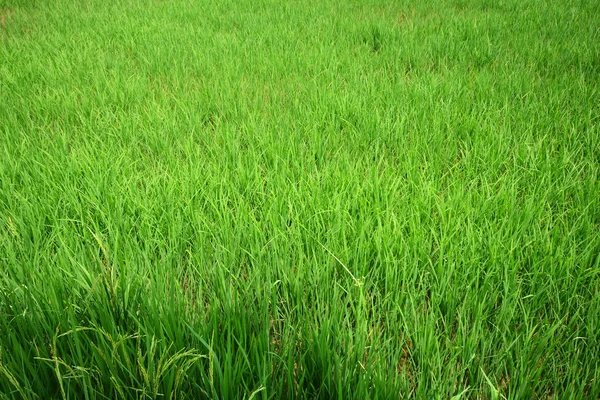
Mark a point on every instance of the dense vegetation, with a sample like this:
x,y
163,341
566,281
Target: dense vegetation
x,y
273,199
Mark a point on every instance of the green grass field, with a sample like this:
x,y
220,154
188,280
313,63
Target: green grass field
x,y
276,199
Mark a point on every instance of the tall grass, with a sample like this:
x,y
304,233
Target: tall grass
x,y
286,199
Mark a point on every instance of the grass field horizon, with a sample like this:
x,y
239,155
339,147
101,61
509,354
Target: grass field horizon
x,y
290,199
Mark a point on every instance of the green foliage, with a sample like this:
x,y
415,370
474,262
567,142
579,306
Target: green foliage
x,y
281,199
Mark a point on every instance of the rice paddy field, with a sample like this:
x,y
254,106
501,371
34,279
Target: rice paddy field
x,y
293,199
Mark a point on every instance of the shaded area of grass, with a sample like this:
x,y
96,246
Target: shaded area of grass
x,y
288,200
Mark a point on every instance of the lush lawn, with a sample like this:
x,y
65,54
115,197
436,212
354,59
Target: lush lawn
x,y
362,199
